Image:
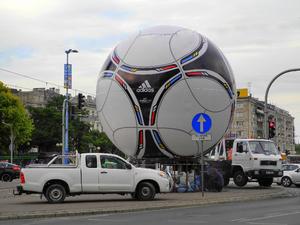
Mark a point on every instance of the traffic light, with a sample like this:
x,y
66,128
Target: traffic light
x,y
272,129
81,100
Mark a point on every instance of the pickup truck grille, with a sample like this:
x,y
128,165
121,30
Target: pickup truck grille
x,y
268,163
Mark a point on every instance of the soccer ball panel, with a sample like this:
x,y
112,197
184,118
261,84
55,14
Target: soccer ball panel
x,y
177,108
106,127
184,42
220,122
209,93
121,50
161,30
126,139
102,91
179,142
118,109
150,47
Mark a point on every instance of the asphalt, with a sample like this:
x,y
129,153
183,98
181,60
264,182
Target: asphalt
x,y
283,211
31,206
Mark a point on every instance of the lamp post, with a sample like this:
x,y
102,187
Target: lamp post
x,y
11,146
68,74
266,98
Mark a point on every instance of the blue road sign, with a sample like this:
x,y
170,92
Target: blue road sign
x,y
201,123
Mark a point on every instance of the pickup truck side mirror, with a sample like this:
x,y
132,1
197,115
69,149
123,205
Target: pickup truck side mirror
x,y
128,166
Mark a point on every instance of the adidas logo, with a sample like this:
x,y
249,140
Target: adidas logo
x,y
145,87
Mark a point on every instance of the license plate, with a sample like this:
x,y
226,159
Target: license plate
x,y
269,172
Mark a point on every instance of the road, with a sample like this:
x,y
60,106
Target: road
x,y
285,211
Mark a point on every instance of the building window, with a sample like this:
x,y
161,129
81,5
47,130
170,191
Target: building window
x,y
239,123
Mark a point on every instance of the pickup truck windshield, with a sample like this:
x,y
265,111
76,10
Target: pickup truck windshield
x,y
263,147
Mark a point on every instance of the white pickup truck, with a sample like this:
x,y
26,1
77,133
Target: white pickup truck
x,y
91,173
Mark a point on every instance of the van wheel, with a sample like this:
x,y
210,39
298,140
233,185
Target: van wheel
x,y
6,177
55,193
265,182
286,181
145,191
240,178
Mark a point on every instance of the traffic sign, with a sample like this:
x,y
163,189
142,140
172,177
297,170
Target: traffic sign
x,y
201,123
202,137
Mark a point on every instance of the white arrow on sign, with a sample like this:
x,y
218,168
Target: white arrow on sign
x,y
201,121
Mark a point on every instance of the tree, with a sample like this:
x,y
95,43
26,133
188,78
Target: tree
x,y
13,113
48,123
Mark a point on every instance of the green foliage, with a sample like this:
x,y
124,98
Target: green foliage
x,y
13,113
48,122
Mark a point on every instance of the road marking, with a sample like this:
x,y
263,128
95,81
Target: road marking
x,y
255,223
265,217
186,221
107,220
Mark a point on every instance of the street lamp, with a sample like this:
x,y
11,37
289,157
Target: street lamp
x,y
11,146
68,77
266,99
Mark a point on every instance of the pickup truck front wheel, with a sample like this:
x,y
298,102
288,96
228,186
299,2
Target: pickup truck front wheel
x,y
55,193
145,191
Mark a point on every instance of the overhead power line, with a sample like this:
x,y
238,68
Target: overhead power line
x,y
42,81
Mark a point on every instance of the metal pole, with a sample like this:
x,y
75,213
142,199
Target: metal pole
x,y
66,138
266,99
63,126
202,169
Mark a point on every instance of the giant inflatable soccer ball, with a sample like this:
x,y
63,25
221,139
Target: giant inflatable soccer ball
x,y
153,84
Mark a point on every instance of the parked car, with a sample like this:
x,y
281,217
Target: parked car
x,y
291,175
9,171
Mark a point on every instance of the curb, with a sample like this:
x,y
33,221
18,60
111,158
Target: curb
x,y
33,215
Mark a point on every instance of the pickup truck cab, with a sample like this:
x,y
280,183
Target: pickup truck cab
x,y
256,160
91,173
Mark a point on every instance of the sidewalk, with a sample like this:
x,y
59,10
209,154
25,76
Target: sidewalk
x,y
31,206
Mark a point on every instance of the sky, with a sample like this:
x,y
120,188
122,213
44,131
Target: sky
x,y
260,39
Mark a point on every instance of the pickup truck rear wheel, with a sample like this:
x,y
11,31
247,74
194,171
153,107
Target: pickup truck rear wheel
x,y
145,191
55,193
240,178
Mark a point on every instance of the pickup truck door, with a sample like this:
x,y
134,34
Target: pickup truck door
x,y
90,173
116,175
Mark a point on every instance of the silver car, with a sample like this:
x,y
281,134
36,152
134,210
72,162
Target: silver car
x,y
291,175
